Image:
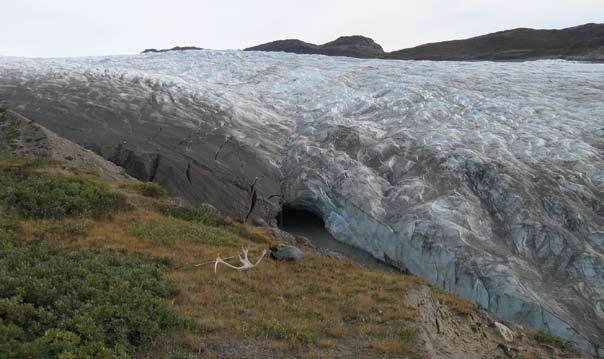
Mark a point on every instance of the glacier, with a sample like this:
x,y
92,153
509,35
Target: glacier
x,y
485,178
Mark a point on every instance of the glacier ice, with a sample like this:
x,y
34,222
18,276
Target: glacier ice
x,y
485,178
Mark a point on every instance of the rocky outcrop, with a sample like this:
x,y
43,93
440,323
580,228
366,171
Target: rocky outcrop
x,y
484,178
24,137
519,44
583,43
352,46
475,336
176,48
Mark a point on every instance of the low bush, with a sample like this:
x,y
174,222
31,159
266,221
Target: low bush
x,y
9,230
167,230
47,195
456,303
555,341
194,214
209,218
16,163
83,304
292,334
57,230
149,189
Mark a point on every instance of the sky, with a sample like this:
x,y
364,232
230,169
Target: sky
x,y
58,28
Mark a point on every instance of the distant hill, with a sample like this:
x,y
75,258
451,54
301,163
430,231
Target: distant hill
x,y
514,44
177,48
353,46
585,42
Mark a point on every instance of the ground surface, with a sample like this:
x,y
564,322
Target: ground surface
x,y
318,307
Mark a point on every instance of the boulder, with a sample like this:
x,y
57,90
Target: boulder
x,y
259,222
286,253
506,333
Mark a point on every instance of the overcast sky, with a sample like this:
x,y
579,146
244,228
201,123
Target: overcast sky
x,y
105,27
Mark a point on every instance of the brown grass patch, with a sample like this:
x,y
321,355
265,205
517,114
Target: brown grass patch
x,y
456,303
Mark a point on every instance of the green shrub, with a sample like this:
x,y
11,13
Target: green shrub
x,y
9,230
409,333
149,189
458,304
273,328
171,229
47,195
83,304
194,214
555,341
55,230
243,232
16,163
209,218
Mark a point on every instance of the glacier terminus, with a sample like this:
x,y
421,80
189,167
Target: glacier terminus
x,y
486,178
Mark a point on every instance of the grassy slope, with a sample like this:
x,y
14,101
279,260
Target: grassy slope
x,y
319,307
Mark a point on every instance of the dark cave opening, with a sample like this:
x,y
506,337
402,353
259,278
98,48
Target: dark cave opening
x,y
303,222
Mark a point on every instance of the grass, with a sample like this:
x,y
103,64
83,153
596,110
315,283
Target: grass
x,y
54,230
13,163
280,306
35,194
209,218
273,328
148,189
10,230
193,214
458,304
295,306
9,130
554,341
69,303
168,230
404,344
78,304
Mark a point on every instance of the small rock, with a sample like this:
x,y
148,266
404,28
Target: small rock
x,y
283,236
208,207
259,222
287,253
332,254
506,333
301,240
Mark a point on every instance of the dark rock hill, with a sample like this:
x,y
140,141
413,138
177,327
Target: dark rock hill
x,y
353,46
177,48
585,42
517,44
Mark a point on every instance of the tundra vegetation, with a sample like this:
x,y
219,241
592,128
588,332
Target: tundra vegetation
x,y
95,269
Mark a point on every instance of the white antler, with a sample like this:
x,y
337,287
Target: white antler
x,y
245,262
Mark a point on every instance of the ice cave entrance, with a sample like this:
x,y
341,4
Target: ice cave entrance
x,y
302,222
